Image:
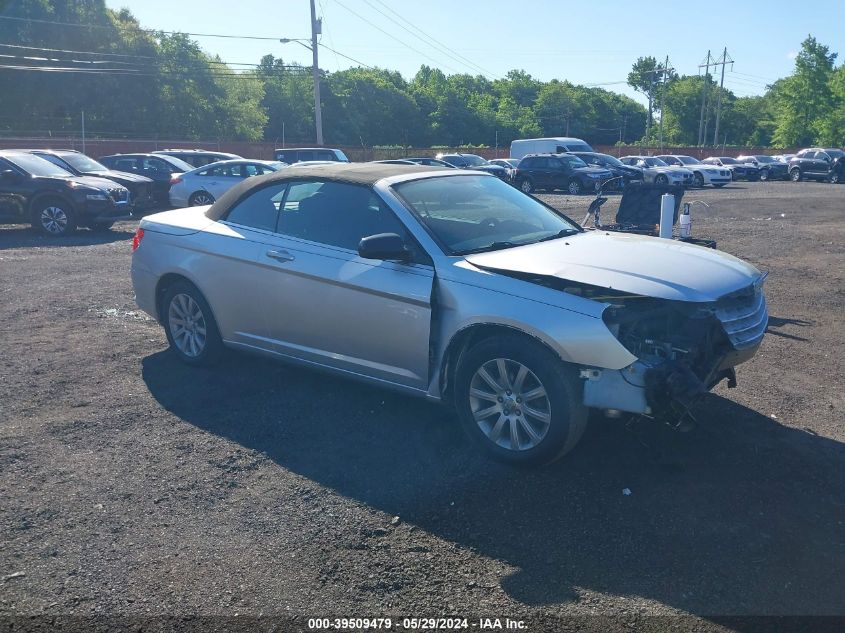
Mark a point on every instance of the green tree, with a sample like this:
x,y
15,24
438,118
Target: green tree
x,y
804,98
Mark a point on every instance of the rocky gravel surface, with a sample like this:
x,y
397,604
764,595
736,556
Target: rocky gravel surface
x,y
133,486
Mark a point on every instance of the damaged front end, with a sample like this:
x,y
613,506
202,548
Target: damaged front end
x,y
683,348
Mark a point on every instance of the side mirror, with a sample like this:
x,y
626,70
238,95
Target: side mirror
x,y
9,175
384,246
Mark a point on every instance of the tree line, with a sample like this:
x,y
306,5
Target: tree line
x,y
132,82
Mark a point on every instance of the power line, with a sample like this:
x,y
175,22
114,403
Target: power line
x,y
419,52
454,55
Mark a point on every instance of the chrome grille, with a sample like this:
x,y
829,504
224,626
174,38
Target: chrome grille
x,y
744,315
119,195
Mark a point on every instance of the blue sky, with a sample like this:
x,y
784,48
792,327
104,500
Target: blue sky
x,y
592,42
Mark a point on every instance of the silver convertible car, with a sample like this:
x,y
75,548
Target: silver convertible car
x,y
454,286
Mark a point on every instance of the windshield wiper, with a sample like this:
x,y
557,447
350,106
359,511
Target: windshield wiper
x,y
490,247
559,234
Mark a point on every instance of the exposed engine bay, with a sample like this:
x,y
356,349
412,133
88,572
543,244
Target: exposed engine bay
x,y
683,350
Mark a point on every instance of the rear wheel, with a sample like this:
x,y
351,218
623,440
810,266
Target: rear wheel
x,y
200,198
518,401
575,187
836,178
526,186
189,324
54,216
795,174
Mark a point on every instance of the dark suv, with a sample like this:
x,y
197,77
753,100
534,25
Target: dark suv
x,y
622,172
197,157
474,161
559,171
53,200
140,187
160,168
818,164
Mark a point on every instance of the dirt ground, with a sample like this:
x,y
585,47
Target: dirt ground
x,y
133,485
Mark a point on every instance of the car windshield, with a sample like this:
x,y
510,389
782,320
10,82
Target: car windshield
x,y
689,160
570,160
474,161
472,214
178,163
607,159
37,166
729,161
652,161
81,162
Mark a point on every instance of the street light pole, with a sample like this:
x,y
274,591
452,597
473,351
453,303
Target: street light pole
x,y
316,27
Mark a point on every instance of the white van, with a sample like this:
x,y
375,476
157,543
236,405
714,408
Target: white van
x,y
554,145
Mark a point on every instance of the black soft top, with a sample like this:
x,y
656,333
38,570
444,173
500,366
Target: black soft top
x,y
366,174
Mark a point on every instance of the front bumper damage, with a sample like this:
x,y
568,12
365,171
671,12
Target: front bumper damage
x,y
676,367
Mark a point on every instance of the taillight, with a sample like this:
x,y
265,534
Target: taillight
x,y
175,179
136,239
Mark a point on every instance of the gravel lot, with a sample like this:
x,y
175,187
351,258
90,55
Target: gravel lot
x,y
133,485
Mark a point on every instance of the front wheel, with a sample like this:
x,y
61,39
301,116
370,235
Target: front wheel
x,y
200,198
526,186
698,180
764,175
575,187
54,217
190,326
661,179
518,401
795,175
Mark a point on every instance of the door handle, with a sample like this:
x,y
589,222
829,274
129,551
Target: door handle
x,y
281,256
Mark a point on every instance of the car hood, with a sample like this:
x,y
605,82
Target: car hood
x,y
648,266
120,176
98,183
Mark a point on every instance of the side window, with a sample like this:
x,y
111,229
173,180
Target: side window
x,y
560,149
251,170
259,210
286,157
155,164
53,159
335,214
126,164
303,156
541,163
326,156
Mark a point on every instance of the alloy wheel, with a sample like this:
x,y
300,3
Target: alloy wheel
x,y
510,404
201,198
187,325
54,220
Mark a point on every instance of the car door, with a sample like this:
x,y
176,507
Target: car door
x,y
220,179
541,172
558,172
327,305
14,191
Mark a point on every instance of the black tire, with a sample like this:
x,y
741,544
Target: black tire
x,y
212,346
835,178
526,185
661,179
795,174
574,188
697,180
200,198
100,227
54,217
764,175
560,403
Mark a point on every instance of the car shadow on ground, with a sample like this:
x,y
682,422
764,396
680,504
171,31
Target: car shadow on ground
x,y
776,323
22,236
740,516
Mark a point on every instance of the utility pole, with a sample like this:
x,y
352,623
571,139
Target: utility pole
x,y
726,59
666,71
704,87
316,29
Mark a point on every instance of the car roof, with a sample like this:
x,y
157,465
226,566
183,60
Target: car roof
x,y
350,173
309,149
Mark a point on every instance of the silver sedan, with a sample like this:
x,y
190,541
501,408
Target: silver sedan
x,y
452,286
